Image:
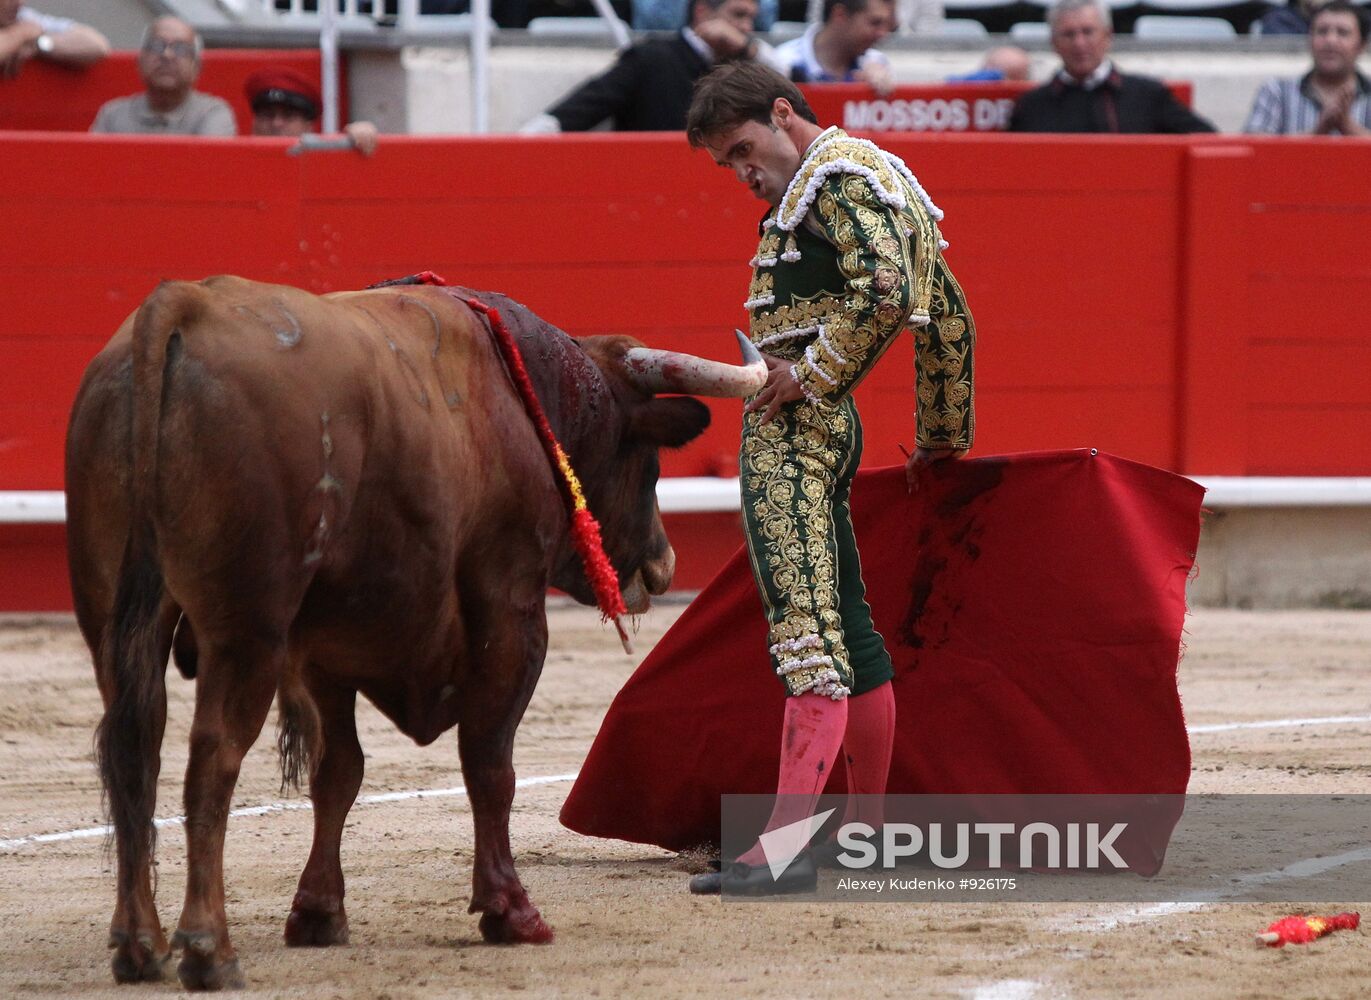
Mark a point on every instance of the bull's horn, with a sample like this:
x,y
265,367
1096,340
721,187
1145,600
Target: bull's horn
x,y
668,371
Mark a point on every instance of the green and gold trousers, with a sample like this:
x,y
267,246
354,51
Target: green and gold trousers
x,y
796,476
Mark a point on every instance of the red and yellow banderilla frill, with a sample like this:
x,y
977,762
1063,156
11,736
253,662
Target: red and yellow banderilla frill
x,y
585,530
1303,929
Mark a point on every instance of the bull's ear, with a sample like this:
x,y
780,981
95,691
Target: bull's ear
x,y
671,421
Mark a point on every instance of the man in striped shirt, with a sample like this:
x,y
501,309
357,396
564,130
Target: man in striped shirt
x,y
1333,98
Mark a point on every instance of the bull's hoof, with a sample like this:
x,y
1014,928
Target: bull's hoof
x,y
315,928
197,973
518,927
137,961
200,969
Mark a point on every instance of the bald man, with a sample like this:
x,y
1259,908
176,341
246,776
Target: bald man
x,y
169,63
1004,62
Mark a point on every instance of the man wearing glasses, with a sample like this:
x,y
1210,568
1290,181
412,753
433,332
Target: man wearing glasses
x,y
169,63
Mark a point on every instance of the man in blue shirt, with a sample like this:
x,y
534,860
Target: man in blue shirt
x,y
843,48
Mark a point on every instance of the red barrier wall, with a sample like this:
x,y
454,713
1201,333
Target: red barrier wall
x,y
49,97
1197,304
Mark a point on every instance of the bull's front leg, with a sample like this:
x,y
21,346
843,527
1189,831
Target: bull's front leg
x,y
507,659
317,916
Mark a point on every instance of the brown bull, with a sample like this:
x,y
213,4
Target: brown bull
x,y
330,496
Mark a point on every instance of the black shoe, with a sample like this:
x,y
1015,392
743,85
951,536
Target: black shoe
x,y
741,879
826,854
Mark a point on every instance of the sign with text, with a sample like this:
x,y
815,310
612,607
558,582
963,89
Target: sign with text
x,y
931,107
1048,848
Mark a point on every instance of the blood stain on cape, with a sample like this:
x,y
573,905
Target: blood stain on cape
x,y
948,509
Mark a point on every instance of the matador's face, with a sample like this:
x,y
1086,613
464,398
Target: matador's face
x,y
763,157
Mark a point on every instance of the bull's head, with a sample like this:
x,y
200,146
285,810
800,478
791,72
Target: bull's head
x,y
620,468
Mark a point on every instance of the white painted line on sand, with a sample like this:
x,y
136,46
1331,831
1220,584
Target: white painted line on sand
x,y
1327,720
1007,989
1112,921
275,807
1297,869
1237,886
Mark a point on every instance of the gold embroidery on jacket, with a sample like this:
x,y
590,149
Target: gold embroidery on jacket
x,y
945,384
768,249
760,292
889,274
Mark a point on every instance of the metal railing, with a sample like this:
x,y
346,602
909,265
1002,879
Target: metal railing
x,y
403,13
333,15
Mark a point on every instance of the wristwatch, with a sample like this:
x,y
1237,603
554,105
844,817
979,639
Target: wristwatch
x,y
44,44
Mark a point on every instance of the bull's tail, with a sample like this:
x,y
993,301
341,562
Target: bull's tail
x,y
133,648
299,733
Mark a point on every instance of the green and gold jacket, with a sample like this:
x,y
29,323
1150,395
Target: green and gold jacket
x,y
850,257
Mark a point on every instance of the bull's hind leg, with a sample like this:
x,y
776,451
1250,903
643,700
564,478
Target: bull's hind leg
x,y
234,688
139,945
507,655
317,916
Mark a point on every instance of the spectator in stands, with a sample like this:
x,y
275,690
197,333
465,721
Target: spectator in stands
x,y
1004,62
920,17
1089,94
843,47
1292,19
169,63
1333,98
26,34
670,15
649,87
286,103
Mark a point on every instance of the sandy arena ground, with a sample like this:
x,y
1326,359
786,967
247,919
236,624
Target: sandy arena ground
x,y
625,923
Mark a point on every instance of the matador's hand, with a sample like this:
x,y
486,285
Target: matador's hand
x,y
923,457
780,388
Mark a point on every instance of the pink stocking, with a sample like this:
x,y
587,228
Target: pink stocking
x,y
866,748
810,740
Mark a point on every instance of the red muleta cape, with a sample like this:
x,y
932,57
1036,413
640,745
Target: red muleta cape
x,y
1032,604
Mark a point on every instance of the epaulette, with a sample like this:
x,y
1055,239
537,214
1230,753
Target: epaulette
x,y
836,152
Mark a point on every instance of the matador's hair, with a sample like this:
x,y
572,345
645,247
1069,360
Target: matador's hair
x,y
737,92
